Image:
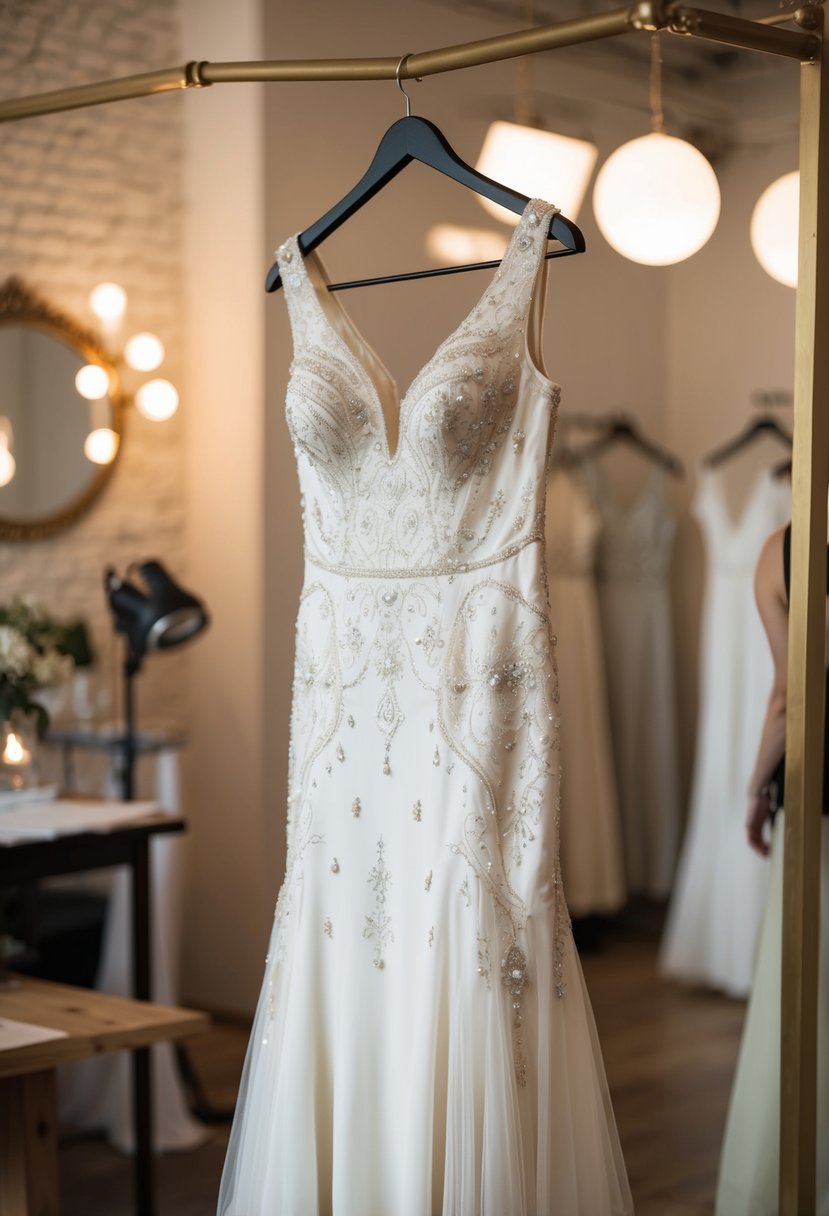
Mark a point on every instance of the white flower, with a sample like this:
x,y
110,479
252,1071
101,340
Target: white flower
x,y
51,668
16,655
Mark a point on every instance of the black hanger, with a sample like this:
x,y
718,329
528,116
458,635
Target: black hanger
x,y
412,138
764,425
621,429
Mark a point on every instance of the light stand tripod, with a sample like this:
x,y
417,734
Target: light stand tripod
x,y
163,616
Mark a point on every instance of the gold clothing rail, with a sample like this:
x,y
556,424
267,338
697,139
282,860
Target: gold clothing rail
x,y
648,15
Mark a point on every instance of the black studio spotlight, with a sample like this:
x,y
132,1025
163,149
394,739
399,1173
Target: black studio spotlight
x,y
155,614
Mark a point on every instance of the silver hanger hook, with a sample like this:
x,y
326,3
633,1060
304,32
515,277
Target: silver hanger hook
x,y
398,70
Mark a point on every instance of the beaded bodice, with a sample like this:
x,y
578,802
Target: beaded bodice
x,y
465,485
636,541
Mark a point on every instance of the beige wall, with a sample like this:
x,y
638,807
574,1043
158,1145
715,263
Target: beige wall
x,y
232,875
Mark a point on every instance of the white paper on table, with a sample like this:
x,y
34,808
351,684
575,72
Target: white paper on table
x,y
47,820
24,1034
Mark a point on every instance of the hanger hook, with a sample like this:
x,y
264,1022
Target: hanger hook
x,y
398,70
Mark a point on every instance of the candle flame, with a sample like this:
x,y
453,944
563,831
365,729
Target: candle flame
x,y
15,752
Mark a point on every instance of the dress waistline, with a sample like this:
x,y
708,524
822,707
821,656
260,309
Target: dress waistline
x,y
447,568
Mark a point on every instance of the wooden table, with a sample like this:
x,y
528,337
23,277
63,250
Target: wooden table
x,y
125,844
93,1022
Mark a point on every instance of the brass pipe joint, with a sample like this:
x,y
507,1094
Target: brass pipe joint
x,y
193,74
810,15
649,15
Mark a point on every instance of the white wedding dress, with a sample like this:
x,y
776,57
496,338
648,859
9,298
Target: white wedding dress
x,y
633,570
720,891
423,1044
591,839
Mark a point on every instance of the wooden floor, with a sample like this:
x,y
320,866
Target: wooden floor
x,y
669,1055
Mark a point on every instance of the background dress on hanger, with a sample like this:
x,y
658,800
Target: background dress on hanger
x,y
633,568
591,844
423,1043
721,884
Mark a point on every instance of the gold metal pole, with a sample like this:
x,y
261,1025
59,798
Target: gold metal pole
x,y
806,679
646,15
77,98
431,63
736,31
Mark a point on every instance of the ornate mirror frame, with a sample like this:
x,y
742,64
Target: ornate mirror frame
x,y
20,305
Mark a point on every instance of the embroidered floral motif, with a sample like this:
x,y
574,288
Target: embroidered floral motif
x,y
378,925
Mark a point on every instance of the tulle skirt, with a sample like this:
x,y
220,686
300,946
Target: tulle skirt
x,y
749,1167
351,1106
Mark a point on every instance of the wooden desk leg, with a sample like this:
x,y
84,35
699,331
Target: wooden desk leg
x,y
29,1145
145,1199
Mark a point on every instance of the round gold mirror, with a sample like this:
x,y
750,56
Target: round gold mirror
x,y
58,448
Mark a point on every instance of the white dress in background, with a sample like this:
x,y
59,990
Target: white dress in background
x,y
720,889
423,1044
591,845
633,569
749,1171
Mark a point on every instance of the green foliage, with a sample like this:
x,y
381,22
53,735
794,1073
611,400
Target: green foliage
x,y
36,651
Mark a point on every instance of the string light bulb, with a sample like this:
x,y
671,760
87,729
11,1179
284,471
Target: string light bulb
x,y
92,381
108,301
157,400
144,352
656,198
101,445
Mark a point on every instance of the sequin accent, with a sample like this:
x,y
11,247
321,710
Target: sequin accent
x,y
436,571
378,926
514,977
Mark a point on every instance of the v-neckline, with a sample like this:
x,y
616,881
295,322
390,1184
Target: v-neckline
x,y
736,524
317,279
627,510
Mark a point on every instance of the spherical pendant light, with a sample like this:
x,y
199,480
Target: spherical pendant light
x,y
656,200
774,229
7,462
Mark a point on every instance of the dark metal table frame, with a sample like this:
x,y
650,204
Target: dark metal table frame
x,y
127,844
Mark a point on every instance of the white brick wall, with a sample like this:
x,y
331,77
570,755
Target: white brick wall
x,y
85,196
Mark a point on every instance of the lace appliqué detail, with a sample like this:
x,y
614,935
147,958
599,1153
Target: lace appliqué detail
x,y
378,925
514,977
438,502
